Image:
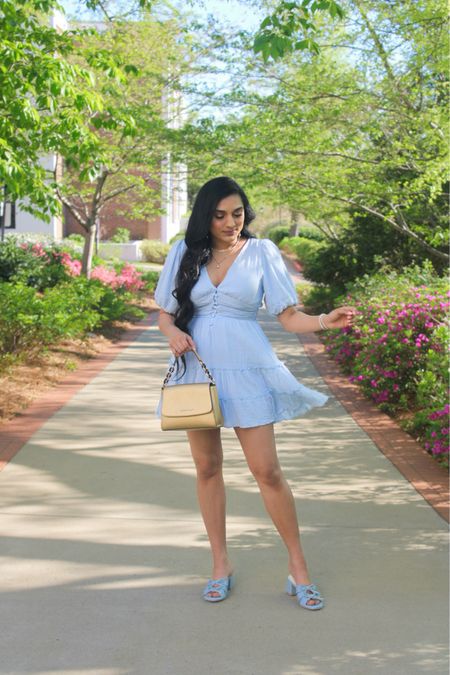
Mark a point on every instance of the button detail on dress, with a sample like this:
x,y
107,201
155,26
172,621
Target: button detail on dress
x,y
215,304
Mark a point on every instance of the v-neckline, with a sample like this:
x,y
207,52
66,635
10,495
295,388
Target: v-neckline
x,y
236,258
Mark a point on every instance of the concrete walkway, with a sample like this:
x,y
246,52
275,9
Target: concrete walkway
x,y
104,555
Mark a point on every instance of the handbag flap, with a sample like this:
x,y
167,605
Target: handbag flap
x,y
181,400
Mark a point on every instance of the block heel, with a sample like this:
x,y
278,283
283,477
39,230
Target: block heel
x,y
290,587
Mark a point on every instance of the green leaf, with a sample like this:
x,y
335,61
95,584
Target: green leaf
x,y
267,22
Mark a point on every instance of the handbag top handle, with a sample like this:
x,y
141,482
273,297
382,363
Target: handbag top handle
x,y
172,368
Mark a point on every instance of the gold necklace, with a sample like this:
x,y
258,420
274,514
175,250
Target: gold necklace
x,y
230,249
222,250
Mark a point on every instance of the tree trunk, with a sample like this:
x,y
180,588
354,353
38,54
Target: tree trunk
x,y
88,250
294,225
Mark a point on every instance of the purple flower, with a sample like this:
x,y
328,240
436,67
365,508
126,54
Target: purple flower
x,y
383,396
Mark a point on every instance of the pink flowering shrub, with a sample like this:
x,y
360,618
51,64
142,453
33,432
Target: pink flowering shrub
x,y
36,249
397,352
105,275
45,298
57,265
130,278
73,267
127,279
437,432
52,265
53,254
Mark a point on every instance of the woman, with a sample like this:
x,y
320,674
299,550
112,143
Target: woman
x,y
209,292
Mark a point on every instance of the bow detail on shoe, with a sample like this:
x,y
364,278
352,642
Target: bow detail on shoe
x,y
305,593
220,586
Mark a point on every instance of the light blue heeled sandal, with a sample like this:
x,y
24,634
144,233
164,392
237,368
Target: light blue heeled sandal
x,y
304,592
221,586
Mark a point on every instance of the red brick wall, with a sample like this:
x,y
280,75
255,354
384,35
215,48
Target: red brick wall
x,y
139,228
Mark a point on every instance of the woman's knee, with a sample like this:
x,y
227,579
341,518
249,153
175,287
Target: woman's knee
x,y
208,466
269,475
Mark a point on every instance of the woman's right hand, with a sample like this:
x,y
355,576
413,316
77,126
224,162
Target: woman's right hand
x,y
180,343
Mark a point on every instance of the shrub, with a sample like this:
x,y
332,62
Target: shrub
x,y
362,247
121,236
36,266
41,268
71,309
311,232
126,277
18,261
71,247
108,303
20,318
436,433
154,250
150,280
30,320
76,238
277,233
397,349
317,297
32,238
303,249
431,381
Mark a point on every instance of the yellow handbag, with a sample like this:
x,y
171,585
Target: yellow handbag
x,y
190,406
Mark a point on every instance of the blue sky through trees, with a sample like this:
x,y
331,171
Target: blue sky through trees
x,y
229,11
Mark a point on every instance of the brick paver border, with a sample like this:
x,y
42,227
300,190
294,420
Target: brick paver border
x,y
15,433
413,462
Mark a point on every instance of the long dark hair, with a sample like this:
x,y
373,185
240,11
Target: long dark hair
x,y
198,242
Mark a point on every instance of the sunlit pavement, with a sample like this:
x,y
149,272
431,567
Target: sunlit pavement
x,y
104,555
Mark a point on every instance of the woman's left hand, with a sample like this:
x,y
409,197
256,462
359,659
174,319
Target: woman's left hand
x,y
341,317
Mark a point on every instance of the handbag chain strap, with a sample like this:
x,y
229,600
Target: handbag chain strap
x,y
172,368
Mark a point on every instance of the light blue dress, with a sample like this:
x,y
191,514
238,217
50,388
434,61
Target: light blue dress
x,y
254,386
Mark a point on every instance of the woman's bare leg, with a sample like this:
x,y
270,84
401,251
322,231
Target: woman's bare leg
x,y
206,449
258,444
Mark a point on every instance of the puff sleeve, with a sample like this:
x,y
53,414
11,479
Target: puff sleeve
x,y
279,289
166,281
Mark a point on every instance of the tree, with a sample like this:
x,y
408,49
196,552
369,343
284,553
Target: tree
x,y
330,135
41,98
44,96
133,129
